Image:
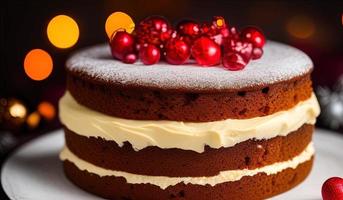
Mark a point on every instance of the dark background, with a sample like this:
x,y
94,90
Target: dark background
x,y
23,27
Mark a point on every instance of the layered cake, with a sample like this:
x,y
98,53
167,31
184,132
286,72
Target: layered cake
x,y
187,132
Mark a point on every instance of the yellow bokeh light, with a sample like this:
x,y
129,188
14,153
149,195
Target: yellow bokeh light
x,y
17,110
47,110
301,27
118,20
220,22
33,120
63,31
38,64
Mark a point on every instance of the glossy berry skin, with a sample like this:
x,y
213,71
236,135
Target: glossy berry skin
x,y
177,52
154,30
234,61
256,53
122,43
245,49
332,189
254,36
234,33
206,52
189,28
237,54
130,58
149,54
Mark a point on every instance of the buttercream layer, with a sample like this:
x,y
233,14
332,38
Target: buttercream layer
x,y
184,135
174,162
260,186
189,106
165,181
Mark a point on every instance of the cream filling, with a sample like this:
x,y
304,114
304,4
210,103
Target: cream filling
x,y
165,181
184,135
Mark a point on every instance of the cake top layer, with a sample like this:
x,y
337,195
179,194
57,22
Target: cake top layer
x,y
279,62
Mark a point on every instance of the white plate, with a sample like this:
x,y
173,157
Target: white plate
x,y
34,172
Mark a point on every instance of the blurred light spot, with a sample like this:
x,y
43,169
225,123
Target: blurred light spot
x,y
47,110
33,120
118,20
38,64
301,27
220,22
17,110
63,31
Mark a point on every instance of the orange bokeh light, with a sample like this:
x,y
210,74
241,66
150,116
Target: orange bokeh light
x,y
118,20
38,64
63,31
47,110
301,27
33,120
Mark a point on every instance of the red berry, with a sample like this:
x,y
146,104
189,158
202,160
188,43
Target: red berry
x,y
154,30
234,33
332,189
189,41
256,53
149,54
206,52
217,30
243,48
189,28
188,31
121,43
234,61
205,28
254,36
130,58
177,52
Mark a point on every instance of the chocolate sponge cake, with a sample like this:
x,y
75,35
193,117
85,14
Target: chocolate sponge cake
x,y
188,132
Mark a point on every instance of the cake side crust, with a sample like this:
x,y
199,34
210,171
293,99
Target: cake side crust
x,y
191,106
176,162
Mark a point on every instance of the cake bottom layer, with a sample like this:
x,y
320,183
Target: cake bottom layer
x,y
259,186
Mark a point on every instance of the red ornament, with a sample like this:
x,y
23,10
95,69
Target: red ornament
x,y
149,54
234,61
256,53
154,30
177,52
254,36
332,189
130,58
121,43
206,52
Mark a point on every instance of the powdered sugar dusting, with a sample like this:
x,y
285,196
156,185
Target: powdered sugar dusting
x,y
280,62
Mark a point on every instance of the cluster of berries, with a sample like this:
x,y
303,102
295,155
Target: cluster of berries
x,y
209,43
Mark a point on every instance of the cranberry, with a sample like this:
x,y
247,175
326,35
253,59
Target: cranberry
x,y
254,36
149,54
